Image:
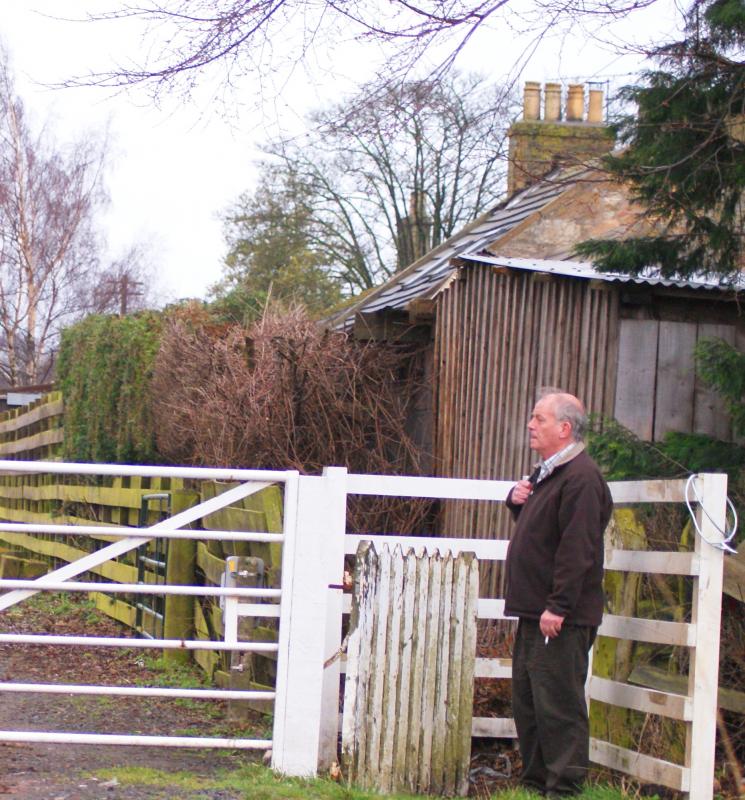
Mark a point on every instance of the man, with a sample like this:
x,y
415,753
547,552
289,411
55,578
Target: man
x,y
554,586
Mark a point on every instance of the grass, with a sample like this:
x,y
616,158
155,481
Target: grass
x,y
174,674
257,782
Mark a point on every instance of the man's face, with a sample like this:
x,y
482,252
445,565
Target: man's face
x,y
547,435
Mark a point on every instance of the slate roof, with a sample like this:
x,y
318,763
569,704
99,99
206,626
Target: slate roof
x,y
423,277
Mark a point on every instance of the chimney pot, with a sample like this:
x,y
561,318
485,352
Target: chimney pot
x,y
576,102
553,102
595,106
532,100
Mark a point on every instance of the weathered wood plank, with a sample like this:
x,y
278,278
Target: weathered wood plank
x,y
53,408
675,378
494,727
465,653
41,439
710,410
430,672
493,668
649,701
659,563
648,630
670,491
645,675
378,676
392,673
635,384
403,721
652,770
418,660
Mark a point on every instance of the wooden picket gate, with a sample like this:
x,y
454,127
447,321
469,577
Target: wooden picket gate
x,y
408,695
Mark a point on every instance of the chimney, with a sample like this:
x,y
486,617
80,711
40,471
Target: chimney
x,y
553,102
595,105
532,100
575,102
539,145
414,232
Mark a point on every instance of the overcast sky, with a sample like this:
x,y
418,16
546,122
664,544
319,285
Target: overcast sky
x,y
173,169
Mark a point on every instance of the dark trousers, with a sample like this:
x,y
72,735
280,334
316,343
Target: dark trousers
x,y
548,703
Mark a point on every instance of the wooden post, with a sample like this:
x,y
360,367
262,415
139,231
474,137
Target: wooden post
x,y
179,609
313,512
703,676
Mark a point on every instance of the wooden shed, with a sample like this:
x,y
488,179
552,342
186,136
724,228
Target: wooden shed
x,y
497,328
503,310
503,328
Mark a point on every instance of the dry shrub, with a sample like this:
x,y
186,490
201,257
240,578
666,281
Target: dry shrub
x,y
285,394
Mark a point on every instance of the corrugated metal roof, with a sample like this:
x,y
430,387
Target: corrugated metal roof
x,y
584,269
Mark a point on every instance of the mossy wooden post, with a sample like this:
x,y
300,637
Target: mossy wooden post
x,y
182,556
612,658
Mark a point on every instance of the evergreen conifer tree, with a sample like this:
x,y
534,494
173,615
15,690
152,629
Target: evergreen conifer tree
x,y
684,152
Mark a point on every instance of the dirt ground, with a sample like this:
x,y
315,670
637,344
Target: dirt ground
x,y
65,772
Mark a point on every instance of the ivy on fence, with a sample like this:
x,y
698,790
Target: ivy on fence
x,y
104,370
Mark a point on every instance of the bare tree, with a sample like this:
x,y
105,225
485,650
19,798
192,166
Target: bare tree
x,y
187,38
382,184
48,247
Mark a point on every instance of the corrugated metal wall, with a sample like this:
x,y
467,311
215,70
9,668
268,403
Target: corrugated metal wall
x,y
499,336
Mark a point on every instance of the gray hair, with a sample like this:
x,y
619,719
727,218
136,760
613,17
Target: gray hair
x,y
567,408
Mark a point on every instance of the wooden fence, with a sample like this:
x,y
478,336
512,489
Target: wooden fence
x,y
323,502
35,433
696,709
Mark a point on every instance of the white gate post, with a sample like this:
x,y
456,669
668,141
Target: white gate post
x,y
334,523
312,516
703,677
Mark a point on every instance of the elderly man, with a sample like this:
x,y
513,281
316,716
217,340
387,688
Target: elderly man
x,y
554,586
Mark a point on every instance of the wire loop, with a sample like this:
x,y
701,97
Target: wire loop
x,y
726,536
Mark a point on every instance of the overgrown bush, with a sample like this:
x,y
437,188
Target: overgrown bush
x,y
286,394
104,370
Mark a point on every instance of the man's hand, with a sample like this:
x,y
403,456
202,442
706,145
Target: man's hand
x,y
551,624
521,492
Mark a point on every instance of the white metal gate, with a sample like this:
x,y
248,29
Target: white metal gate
x,y
294,742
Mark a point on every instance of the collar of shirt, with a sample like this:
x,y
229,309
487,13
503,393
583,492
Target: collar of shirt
x,y
549,465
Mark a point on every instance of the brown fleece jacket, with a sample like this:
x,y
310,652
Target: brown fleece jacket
x,y
555,557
